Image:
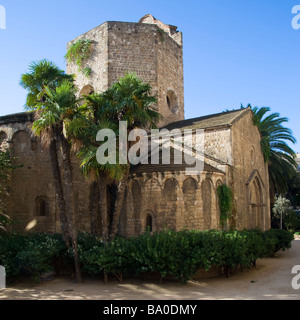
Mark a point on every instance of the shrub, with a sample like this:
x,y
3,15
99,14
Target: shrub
x,y
168,253
282,239
31,254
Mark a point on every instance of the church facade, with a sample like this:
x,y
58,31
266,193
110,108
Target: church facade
x,y
158,196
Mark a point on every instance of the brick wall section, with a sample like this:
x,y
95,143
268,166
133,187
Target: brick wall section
x,y
249,166
141,48
170,76
34,179
174,201
98,61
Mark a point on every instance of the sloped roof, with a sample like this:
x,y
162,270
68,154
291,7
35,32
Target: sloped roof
x,y
148,168
218,120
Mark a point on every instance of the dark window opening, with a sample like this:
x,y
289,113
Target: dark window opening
x,y
149,223
172,102
42,208
168,102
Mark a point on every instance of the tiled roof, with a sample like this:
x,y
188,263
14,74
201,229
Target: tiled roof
x,y
223,119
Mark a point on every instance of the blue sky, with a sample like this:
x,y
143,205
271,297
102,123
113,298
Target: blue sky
x,y
234,51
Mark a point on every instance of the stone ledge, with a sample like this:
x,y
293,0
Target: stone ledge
x,y
17,117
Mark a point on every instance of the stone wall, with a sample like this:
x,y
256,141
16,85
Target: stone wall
x,y
249,179
142,48
172,200
31,203
98,61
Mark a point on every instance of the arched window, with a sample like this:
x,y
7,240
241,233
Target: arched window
x,y
207,201
149,226
42,206
172,102
87,90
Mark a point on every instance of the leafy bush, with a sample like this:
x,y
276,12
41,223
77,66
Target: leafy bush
x,y
31,254
282,239
167,254
291,221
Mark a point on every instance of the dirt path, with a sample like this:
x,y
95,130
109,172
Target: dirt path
x,y
271,279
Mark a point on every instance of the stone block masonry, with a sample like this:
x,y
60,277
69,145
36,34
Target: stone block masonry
x,y
142,48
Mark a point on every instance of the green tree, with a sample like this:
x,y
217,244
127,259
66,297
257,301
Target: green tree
x,y
274,145
94,115
56,112
134,103
130,100
293,193
41,74
52,96
281,208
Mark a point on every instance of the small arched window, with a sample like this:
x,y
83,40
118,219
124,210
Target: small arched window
x,y
172,102
87,90
149,223
42,206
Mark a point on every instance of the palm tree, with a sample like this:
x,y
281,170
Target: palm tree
x,y
129,99
41,74
44,74
279,155
51,94
55,114
95,115
133,102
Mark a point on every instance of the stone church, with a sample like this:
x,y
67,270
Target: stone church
x,y
158,196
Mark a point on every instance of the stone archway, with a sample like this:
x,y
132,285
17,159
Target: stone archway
x,y
256,202
168,205
191,211
207,191
149,221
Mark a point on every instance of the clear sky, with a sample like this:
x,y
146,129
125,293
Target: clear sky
x,y
235,51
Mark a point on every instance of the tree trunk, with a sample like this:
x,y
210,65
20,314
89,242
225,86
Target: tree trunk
x,y
68,175
104,217
94,201
59,193
118,207
103,208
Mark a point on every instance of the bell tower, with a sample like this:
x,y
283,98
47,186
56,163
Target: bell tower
x,y
149,48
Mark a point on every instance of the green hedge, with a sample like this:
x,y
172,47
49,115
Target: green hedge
x,y
31,254
174,254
